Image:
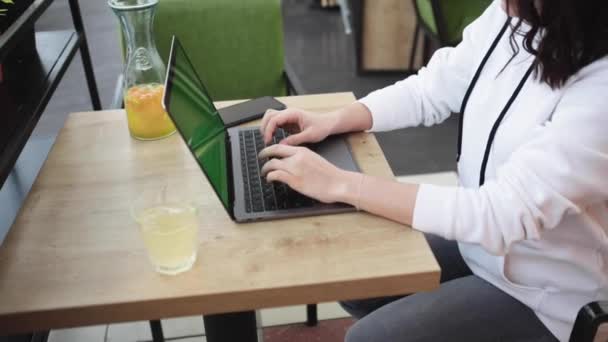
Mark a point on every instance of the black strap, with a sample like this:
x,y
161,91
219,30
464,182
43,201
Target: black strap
x,y
504,111
465,101
486,155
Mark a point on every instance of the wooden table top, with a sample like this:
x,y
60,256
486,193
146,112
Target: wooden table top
x,y
75,257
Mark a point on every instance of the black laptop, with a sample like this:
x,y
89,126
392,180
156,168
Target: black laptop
x,y
229,156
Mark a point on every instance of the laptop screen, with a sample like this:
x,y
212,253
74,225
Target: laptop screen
x,y
198,121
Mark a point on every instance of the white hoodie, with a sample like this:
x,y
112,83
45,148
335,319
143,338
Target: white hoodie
x,y
537,229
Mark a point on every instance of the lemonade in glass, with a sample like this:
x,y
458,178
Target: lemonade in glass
x,y
169,228
145,114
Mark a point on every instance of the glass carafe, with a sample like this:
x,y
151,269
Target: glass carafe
x,y
144,72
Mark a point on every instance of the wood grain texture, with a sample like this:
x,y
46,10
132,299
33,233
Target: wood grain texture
x,y
388,32
74,256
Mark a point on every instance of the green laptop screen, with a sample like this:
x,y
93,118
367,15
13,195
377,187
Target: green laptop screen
x,y
192,110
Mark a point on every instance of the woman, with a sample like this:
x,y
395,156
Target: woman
x,y
530,217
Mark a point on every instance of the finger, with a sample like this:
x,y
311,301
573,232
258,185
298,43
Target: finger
x,y
274,122
278,151
267,116
297,139
278,120
272,165
281,176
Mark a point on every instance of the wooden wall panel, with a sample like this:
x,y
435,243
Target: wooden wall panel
x,y
388,31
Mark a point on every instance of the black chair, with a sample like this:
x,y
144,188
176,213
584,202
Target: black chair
x,y
591,323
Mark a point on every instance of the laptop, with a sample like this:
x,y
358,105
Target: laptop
x,y
229,156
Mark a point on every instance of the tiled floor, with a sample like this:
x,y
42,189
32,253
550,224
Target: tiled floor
x,y
93,334
326,331
189,329
297,314
132,331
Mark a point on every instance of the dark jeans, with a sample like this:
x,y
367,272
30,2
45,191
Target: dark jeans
x,y
464,308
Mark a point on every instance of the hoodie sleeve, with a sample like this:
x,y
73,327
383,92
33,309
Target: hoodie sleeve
x,y
561,171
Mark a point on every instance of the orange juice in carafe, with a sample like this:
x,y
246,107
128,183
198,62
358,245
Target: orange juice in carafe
x,y
145,114
144,70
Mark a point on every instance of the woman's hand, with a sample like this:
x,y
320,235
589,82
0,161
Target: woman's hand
x,y
311,127
306,127
306,172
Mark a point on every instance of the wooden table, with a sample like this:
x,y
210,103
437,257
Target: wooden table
x,y
74,256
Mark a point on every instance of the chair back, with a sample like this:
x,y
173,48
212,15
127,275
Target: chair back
x,y
236,46
446,19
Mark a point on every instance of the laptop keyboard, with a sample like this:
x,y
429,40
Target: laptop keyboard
x,y
260,195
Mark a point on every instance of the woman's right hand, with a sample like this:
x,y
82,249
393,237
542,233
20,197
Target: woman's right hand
x,y
305,127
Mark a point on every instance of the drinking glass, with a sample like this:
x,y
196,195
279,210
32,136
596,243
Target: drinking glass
x,y
169,226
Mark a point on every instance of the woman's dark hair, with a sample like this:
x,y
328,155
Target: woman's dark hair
x,y
574,33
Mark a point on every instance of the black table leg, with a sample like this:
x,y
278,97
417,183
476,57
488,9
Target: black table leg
x,y
311,315
230,327
156,328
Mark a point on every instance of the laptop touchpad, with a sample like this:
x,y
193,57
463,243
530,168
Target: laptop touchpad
x,y
335,149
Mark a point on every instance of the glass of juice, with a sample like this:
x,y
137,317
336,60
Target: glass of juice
x,y
145,114
169,227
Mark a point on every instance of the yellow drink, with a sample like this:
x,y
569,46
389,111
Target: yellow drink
x,y
145,114
170,233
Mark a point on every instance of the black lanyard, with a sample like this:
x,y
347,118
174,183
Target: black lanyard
x,y
486,155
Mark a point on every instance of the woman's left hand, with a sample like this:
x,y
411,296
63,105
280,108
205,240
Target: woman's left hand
x,y
305,171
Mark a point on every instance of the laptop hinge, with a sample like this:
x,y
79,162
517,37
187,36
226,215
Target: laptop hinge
x,y
230,174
